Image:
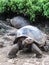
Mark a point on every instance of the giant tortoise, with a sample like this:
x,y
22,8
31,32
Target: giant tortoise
x,y
18,22
29,37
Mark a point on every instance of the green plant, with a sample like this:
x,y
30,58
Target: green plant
x,y
46,10
26,7
3,5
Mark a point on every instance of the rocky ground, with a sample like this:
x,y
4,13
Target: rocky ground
x,y
22,58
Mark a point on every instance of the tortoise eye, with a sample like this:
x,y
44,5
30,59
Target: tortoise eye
x,y
30,39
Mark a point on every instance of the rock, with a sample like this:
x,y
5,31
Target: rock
x,y
28,63
1,43
11,60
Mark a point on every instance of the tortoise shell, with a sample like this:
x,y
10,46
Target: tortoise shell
x,y
32,32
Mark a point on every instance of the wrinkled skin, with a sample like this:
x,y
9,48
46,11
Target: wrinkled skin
x,y
29,41
22,45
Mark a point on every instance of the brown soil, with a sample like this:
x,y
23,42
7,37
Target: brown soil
x,y
22,58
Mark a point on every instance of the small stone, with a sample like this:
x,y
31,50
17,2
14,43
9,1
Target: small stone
x,y
11,61
28,64
1,44
0,63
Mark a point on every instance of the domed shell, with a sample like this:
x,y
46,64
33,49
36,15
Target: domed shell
x,y
19,22
33,32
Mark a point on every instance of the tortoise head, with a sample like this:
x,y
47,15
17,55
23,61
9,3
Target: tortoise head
x,y
28,41
8,21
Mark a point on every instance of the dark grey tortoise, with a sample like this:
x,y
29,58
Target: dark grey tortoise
x,y
29,37
18,22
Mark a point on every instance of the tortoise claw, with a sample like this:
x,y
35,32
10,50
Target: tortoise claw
x,y
12,56
39,55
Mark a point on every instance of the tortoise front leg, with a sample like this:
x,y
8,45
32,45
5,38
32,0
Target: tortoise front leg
x,y
36,50
46,46
13,51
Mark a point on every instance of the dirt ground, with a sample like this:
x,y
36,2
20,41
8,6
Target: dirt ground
x,y
22,58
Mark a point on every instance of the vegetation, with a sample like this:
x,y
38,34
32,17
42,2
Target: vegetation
x,y
3,4
31,8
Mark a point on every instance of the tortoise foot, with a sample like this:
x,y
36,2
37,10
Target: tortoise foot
x,y
12,56
46,48
39,56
